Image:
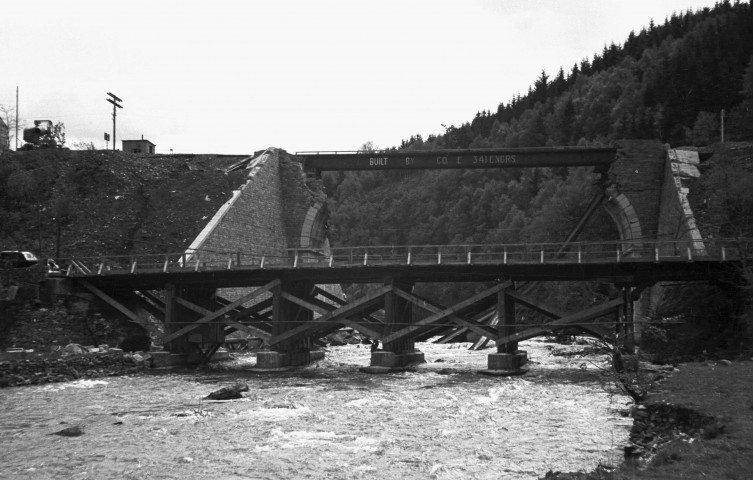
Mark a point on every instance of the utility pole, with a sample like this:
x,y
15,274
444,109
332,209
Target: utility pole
x,y
115,105
16,118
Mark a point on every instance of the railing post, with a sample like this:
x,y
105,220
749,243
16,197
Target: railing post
x,y
656,253
505,256
724,254
261,263
618,254
409,255
101,267
469,256
164,267
295,260
70,269
690,257
579,253
439,256
133,266
331,259
196,267
230,263
542,255
365,258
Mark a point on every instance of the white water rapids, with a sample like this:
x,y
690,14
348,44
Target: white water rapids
x,y
324,421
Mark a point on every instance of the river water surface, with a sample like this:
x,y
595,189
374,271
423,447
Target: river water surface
x,y
328,420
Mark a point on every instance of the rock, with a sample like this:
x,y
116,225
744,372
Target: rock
x,y
74,431
228,393
148,360
338,338
73,349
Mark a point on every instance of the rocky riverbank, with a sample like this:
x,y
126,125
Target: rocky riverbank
x,y
695,423
63,366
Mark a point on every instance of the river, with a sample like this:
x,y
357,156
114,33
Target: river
x,y
324,421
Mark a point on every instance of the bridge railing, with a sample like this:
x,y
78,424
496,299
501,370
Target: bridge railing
x,y
199,260
545,253
471,254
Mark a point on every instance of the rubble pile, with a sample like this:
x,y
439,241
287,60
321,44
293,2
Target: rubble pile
x,y
656,425
78,364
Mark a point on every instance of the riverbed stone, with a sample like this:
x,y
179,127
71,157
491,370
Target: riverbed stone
x,y
73,349
74,431
228,393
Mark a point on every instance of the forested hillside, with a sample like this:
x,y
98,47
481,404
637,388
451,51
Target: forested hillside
x,y
669,82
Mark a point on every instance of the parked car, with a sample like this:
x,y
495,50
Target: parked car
x,y
17,259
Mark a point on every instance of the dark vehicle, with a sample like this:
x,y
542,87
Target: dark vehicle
x,y
16,259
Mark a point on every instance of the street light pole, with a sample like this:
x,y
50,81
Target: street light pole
x,y
115,105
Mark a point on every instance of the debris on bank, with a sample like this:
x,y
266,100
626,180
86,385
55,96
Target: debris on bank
x,y
655,425
23,367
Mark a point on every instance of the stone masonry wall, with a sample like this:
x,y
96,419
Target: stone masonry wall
x,y
676,220
298,196
251,222
264,218
639,175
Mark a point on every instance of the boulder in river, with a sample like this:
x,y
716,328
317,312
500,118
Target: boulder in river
x,y
228,393
74,431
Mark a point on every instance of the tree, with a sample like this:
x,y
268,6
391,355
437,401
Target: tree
x,y
54,138
747,84
83,145
705,129
368,147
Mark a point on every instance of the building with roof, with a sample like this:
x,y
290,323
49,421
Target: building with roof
x,y
4,136
138,146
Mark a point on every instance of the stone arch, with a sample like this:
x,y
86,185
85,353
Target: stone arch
x,y
624,216
314,229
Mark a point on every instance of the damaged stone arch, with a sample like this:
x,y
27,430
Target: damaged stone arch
x,y
315,225
623,215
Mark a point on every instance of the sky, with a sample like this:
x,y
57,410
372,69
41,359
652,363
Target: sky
x,y
237,76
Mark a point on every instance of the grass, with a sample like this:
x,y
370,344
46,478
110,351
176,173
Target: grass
x,y
724,392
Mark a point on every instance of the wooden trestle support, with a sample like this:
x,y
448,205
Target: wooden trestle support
x,y
292,316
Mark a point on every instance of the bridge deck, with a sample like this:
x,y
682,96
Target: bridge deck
x,y
610,261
